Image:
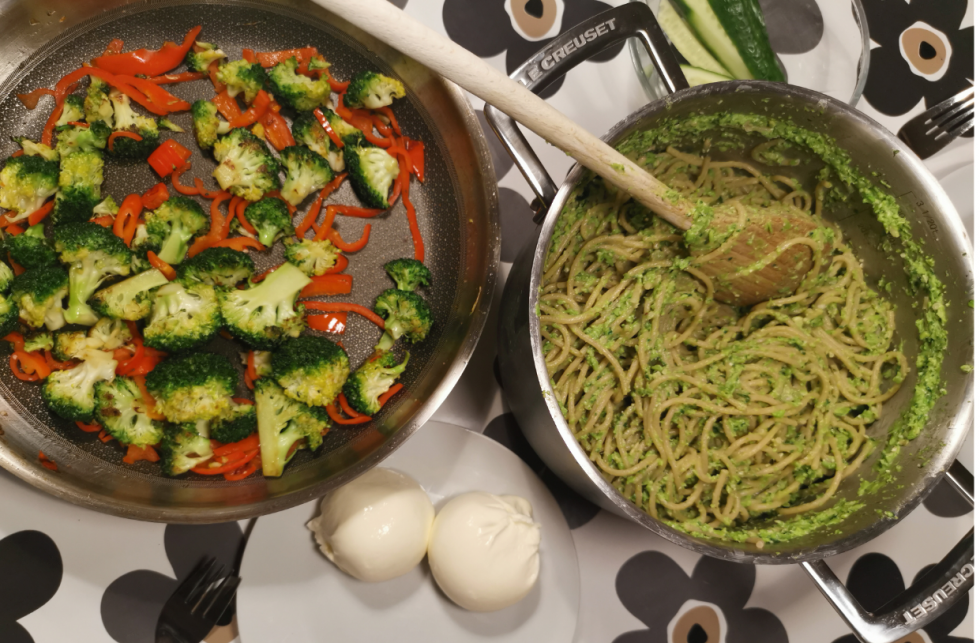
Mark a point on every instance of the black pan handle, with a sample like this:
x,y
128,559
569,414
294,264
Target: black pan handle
x,y
578,44
921,603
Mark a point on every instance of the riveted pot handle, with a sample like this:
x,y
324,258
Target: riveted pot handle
x,y
921,603
576,45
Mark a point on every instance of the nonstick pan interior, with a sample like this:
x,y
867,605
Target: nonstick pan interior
x,y
457,216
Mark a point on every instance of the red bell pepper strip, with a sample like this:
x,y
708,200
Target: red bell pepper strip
x,y
347,408
155,196
345,307
183,77
416,154
248,55
336,86
127,219
88,428
361,213
240,215
39,215
340,419
391,119
123,134
219,86
273,58
227,106
325,124
46,462
16,339
337,240
277,130
149,62
168,157
254,112
149,404
160,97
186,190
384,397
244,472
246,444
31,99
115,46
327,285
55,365
334,323
161,265
239,244
134,454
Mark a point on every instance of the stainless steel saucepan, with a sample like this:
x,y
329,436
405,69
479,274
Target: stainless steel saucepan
x,y
41,40
922,463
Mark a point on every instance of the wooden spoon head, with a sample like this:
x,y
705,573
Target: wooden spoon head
x,y
759,254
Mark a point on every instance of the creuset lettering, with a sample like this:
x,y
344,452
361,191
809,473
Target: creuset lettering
x,y
577,42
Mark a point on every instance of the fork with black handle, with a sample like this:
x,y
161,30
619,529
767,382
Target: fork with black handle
x,y
196,605
938,126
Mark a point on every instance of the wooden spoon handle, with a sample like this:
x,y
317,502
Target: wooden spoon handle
x,y
386,22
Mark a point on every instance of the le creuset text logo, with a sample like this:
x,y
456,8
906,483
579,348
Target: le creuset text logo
x,y
930,603
577,42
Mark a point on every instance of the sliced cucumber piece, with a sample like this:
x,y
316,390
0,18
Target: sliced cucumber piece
x,y
733,30
686,42
696,76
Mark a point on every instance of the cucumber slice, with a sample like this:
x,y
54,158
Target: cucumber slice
x,y
733,30
686,42
696,76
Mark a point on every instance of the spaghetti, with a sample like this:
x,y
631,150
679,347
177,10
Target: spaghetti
x,y
708,417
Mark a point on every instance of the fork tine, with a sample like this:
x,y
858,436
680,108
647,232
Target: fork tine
x,y
217,572
944,119
938,108
218,600
961,118
962,129
193,580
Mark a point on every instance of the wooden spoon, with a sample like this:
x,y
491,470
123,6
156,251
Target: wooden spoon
x,y
746,275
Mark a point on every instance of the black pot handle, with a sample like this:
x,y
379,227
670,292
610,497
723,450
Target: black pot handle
x,y
921,603
581,42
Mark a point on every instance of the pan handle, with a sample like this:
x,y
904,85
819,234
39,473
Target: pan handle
x,y
921,603
561,55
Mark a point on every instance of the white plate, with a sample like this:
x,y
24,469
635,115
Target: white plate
x,y
959,186
290,592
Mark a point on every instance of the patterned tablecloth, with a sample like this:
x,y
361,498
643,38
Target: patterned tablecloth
x,y
67,574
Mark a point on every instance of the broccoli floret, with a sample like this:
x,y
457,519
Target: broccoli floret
x,y
285,426
71,393
171,227
408,274
106,206
372,171
216,267
69,344
93,254
242,77
201,60
42,341
207,125
193,387
300,92
245,166
308,131
167,124
405,314
129,299
74,110
39,294
26,182
310,256
36,149
271,219
8,315
109,334
82,138
306,173
80,187
264,316
119,408
127,120
372,90
237,424
6,278
371,380
98,107
182,449
182,318
32,249
310,369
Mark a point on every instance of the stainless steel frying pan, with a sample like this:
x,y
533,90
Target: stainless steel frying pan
x,y
41,40
923,461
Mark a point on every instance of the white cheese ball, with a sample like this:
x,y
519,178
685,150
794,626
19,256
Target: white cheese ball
x,y
484,550
376,527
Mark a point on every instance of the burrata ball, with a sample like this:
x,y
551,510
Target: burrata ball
x,y
376,527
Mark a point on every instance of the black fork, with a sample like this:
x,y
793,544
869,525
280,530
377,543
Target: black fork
x,y
196,605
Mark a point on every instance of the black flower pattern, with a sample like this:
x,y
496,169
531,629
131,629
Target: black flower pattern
x,y
707,607
518,27
875,579
946,502
31,569
131,604
922,53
